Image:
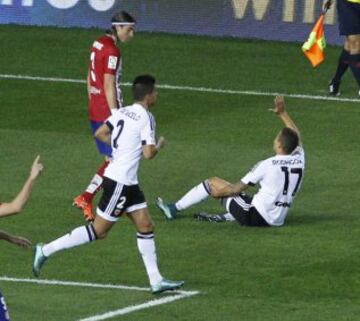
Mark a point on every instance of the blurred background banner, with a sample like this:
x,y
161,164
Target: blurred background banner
x,y
286,20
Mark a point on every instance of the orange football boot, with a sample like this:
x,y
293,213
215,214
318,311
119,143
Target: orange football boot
x,y
81,203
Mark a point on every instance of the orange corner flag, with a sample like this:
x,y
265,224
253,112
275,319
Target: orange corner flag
x,y
314,47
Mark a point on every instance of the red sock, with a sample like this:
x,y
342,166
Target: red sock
x,y
101,169
95,182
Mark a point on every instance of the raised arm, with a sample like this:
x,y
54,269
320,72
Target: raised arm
x,y
17,204
280,110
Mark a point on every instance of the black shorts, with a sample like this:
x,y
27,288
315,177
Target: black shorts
x,y
349,17
118,198
245,214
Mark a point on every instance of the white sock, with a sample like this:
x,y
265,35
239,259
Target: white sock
x,y
146,246
78,236
194,196
229,217
94,184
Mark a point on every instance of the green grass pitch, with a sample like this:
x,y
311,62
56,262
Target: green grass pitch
x,y
306,270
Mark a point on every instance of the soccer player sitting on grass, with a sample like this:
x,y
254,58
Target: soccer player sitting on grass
x,y
279,178
14,207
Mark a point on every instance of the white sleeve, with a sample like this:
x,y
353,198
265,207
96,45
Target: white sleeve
x,y
148,131
110,121
256,174
298,151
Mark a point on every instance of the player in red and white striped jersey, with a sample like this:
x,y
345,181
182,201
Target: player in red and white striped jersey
x,y
105,96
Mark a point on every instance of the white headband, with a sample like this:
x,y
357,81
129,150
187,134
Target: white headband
x,y
123,23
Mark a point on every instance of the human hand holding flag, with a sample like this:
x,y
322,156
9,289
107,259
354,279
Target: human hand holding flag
x,y
327,6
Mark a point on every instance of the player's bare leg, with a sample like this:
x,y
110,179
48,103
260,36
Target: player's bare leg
x,y
354,47
217,184
146,245
102,227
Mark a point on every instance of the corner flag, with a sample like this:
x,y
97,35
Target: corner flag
x,y
314,47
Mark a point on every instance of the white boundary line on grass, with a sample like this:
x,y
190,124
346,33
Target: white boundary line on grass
x,y
196,89
110,314
133,308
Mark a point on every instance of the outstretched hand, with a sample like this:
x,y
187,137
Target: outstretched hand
x,y
36,168
160,143
279,105
20,241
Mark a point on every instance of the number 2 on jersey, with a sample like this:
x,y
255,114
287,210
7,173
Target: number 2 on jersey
x,y
295,171
120,127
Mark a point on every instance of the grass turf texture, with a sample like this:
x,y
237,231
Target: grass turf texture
x,y
307,270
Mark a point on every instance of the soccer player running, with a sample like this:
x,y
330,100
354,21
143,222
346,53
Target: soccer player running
x,y
279,178
105,97
14,207
131,133
349,26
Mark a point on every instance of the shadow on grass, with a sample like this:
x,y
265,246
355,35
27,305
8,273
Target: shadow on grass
x,y
321,218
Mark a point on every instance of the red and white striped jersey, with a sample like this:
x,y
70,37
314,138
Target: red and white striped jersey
x,y
105,58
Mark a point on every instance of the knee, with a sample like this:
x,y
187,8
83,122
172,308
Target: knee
x,y
213,180
100,234
354,46
146,227
213,184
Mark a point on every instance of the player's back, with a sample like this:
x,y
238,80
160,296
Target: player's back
x,y
104,56
281,180
104,59
132,126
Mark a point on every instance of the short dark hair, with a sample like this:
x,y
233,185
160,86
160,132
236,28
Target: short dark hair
x,y
289,139
142,86
119,17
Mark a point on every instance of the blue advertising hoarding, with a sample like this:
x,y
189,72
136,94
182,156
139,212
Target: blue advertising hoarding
x,y
286,20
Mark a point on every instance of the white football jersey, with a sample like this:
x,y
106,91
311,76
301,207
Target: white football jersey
x,y
132,127
280,178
